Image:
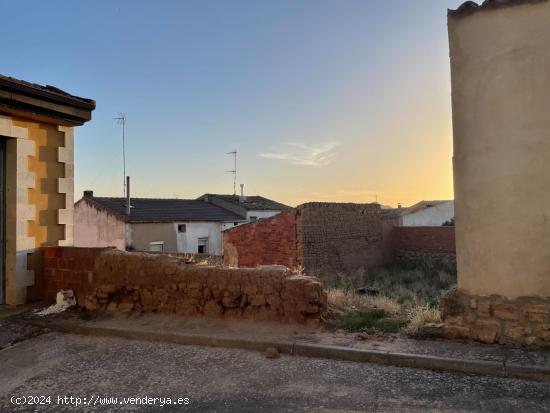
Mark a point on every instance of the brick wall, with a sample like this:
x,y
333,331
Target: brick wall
x,y
113,280
431,249
67,268
323,238
426,239
264,242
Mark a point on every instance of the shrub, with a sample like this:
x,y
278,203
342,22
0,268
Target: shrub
x,y
420,316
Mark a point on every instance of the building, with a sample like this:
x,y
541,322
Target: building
x,y
251,207
163,225
501,138
36,176
427,214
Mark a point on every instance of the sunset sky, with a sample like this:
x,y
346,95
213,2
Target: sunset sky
x,y
323,100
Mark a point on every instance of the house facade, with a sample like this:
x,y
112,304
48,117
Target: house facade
x,y
427,214
36,176
159,225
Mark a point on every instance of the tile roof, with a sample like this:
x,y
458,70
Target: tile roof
x,y
47,91
252,202
469,7
164,210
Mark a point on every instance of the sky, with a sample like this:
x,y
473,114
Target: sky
x,y
341,100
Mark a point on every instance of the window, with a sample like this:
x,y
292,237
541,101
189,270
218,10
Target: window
x,y
252,219
203,246
235,224
156,246
182,227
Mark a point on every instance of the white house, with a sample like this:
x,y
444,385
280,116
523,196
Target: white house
x,y
163,225
427,213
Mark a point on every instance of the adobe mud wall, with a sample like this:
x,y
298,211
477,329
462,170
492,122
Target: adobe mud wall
x,y
114,280
337,238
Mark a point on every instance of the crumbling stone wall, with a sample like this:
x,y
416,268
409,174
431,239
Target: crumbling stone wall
x,y
431,249
121,281
494,319
323,238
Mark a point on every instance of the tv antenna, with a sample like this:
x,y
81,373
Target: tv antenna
x,y
121,120
234,170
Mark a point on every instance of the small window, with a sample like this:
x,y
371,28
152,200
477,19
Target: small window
x,y
203,246
235,224
182,227
156,246
252,219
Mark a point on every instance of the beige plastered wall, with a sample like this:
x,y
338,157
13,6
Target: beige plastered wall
x,y
95,227
39,195
500,66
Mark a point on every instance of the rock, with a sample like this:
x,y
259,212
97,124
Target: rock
x,y
362,336
272,353
536,312
486,331
505,311
432,330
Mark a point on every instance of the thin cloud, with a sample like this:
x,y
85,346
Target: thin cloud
x,y
303,154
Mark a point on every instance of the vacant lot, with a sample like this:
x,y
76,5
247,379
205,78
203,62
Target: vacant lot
x,y
406,300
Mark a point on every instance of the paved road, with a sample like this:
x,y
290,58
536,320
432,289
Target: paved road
x,y
223,380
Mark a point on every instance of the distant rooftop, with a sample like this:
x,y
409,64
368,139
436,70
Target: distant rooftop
x,y
251,202
163,210
469,7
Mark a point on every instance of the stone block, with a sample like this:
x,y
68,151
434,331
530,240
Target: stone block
x,y
537,313
506,311
486,331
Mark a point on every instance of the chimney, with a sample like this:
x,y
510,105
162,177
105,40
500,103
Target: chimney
x,y
242,198
399,206
89,194
128,196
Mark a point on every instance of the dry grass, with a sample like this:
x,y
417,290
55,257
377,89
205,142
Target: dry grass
x,y
342,302
419,316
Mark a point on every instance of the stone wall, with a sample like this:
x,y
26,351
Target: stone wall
x,y
323,238
114,280
495,319
430,249
264,242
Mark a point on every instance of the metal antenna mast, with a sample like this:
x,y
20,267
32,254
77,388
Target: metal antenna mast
x,y
234,170
121,120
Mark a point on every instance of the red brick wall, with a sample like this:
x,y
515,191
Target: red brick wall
x,y
68,268
424,239
264,242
